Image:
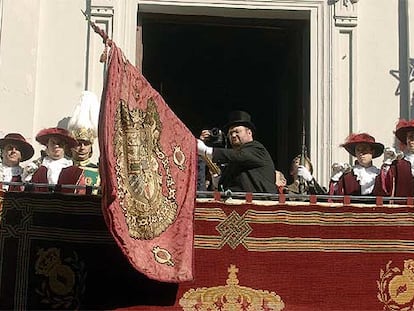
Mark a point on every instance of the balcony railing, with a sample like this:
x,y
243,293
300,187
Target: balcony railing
x,y
246,196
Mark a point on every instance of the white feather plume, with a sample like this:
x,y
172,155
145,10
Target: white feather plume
x,y
86,113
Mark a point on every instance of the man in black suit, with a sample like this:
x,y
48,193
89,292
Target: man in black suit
x,y
248,165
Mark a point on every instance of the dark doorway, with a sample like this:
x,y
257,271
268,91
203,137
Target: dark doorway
x,y
204,67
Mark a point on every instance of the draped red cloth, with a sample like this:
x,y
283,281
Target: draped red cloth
x,y
148,172
299,257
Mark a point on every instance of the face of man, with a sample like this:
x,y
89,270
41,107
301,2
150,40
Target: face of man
x,y
410,141
364,154
55,148
239,135
11,155
82,151
294,167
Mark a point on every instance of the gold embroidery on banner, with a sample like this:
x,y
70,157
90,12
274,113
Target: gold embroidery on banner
x,y
64,282
179,157
234,229
396,288
148,211
162,256
231,297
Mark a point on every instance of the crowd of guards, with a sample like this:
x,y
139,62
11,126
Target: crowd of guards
x,y
246,166
65,162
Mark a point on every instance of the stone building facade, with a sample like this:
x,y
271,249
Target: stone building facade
x,y
355,62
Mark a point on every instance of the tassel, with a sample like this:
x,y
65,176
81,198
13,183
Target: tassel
x,y
104,55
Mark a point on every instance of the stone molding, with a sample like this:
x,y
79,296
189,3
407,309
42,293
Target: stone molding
x,y
346,13
103,17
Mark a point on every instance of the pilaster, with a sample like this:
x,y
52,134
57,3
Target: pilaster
x,y
344,84
118,19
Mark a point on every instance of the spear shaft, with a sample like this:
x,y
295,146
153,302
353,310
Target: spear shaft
x,y
302,186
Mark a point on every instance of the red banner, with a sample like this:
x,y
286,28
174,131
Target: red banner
x,y
147,167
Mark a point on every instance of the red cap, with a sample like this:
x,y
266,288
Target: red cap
x,y
44,135
363,138
402,128
17,139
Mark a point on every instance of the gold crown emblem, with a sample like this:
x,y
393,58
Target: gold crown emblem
x,y
231,297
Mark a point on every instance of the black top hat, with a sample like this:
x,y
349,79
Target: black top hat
x,y
239,117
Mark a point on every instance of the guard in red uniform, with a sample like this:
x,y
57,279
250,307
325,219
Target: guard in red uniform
x,y
55,168
400,167
83,125
363,178
14,149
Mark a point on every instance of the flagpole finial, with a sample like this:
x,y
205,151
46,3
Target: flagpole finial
x,y
106,40
98,30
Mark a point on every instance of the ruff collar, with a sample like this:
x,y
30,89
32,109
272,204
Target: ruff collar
x,y
366,177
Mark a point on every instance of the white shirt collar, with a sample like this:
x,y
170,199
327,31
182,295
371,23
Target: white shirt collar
x,y
54,167
366,177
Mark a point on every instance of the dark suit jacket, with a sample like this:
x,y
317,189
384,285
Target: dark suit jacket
x,y
249,169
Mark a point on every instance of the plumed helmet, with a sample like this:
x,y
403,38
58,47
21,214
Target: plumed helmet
x,y
83,125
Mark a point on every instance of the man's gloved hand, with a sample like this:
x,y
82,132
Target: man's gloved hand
x,y
304,172
338,169
203,149
390,154
215,181
28,171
